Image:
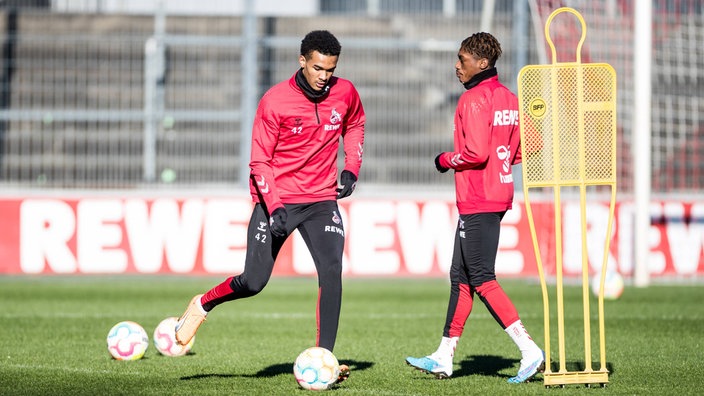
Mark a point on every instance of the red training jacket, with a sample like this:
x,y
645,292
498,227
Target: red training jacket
x,y
295,142
487,143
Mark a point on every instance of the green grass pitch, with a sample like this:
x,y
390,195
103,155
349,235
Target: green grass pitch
x,y
54,328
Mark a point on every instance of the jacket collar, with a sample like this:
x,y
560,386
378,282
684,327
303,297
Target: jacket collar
x,y
308,91
479,77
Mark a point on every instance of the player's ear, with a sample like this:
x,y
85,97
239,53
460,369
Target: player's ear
x,y
302,61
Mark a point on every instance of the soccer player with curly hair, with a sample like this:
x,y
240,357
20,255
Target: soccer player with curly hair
x,y
486,145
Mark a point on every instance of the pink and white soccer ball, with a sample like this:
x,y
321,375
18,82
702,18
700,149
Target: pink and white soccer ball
x,y
316,368
127,341
613,285
165,339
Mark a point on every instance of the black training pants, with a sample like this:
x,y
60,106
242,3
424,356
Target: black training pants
x,y
473,264
320,225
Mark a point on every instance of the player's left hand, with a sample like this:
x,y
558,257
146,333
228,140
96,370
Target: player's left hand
x,y
439,166
348,181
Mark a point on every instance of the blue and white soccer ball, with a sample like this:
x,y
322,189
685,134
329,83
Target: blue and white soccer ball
x,y
316,368
613,285
127,341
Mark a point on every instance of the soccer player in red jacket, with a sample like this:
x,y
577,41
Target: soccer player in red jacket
x,y
487,139
294,184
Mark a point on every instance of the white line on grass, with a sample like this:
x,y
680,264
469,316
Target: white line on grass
x,y
66,315
347,315
367,391
68,369
299,315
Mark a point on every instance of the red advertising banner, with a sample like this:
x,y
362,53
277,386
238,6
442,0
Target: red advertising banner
x,y
384,237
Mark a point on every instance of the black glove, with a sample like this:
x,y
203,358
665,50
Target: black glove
x,y
277,222
348,181
439,167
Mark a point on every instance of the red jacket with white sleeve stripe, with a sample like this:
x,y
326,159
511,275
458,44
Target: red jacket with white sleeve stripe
x,y
295,142
487,143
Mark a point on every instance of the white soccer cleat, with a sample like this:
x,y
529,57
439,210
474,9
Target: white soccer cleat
x,y
431,365
529,368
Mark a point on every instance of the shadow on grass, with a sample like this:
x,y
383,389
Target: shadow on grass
x,y
275,370
487,365
204,376
490,365
575,366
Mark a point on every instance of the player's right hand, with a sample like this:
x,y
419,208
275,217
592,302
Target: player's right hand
x,y
277,222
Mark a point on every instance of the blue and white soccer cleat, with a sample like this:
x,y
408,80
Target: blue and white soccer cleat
x,y
430,366
529,369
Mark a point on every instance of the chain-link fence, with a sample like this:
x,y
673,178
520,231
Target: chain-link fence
x,y
97,97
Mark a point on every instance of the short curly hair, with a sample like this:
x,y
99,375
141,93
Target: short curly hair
x,y
321,41
482,45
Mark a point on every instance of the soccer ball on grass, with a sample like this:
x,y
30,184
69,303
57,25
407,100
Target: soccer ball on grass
x,y
127,341
165,339
613,285
316,368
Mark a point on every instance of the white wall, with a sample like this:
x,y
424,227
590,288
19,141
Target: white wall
x,y
191,7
